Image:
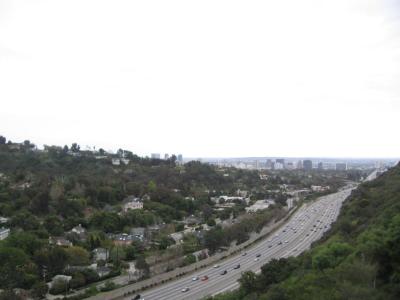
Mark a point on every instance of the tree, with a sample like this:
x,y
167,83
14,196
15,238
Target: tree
x,y
25,241
215,238
75,147
108,286
77,256
39,290
151,186
248,281
78,280
189,259
117,254
130,252
59,286
120,153
211,222
53,225
2,140
190,243
28,145
25,220
16,269
277,270
9,295
52,259
165,241
142,266
207,211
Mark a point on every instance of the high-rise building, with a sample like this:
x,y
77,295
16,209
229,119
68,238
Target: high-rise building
x,y
281,161
341,166
299,164
180,158
307,165
269,165
320,165
290,166
155,156
166,156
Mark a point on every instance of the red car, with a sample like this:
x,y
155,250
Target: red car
x,y
204,278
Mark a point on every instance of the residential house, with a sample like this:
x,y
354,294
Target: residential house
x,y
100,254
224,199
80,232
125,161
123,239
192,220
177,237
115,161
4,233
57,278
103,271
318,188
3,220
59,241
131,202
260,205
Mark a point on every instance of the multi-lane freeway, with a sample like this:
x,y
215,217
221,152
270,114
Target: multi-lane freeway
x,y
305,226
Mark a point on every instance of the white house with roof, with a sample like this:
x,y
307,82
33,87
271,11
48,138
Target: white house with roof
x,y
115,161
260,205
80,231
4,233
3,220
100,254
131,202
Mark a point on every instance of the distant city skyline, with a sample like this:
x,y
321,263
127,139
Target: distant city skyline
x,y
205,79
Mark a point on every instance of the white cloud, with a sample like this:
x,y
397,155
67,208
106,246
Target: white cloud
x,y
209,78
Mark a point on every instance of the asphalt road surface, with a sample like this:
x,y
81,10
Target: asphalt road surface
x,y
307,225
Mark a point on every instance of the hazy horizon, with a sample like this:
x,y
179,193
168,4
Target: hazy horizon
x,y
205,79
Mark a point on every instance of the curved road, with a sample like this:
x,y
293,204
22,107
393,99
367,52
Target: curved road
x,y
307,225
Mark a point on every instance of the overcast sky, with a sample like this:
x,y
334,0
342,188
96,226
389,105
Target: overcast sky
x,y
204,78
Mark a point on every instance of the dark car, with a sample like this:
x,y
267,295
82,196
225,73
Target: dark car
x,y
258,255
137,297
224,272
237,266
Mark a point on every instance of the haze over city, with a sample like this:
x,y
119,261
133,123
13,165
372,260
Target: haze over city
x,y
206,79
215,149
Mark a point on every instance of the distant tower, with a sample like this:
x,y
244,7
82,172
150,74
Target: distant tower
x,y
180,158
166,156
155,155
299,165
268,164
341,166
307,165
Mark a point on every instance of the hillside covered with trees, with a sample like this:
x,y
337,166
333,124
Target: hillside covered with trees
x,y
59,205
358,259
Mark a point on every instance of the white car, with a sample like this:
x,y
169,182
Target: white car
x,y
195,278
185,289
216,266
